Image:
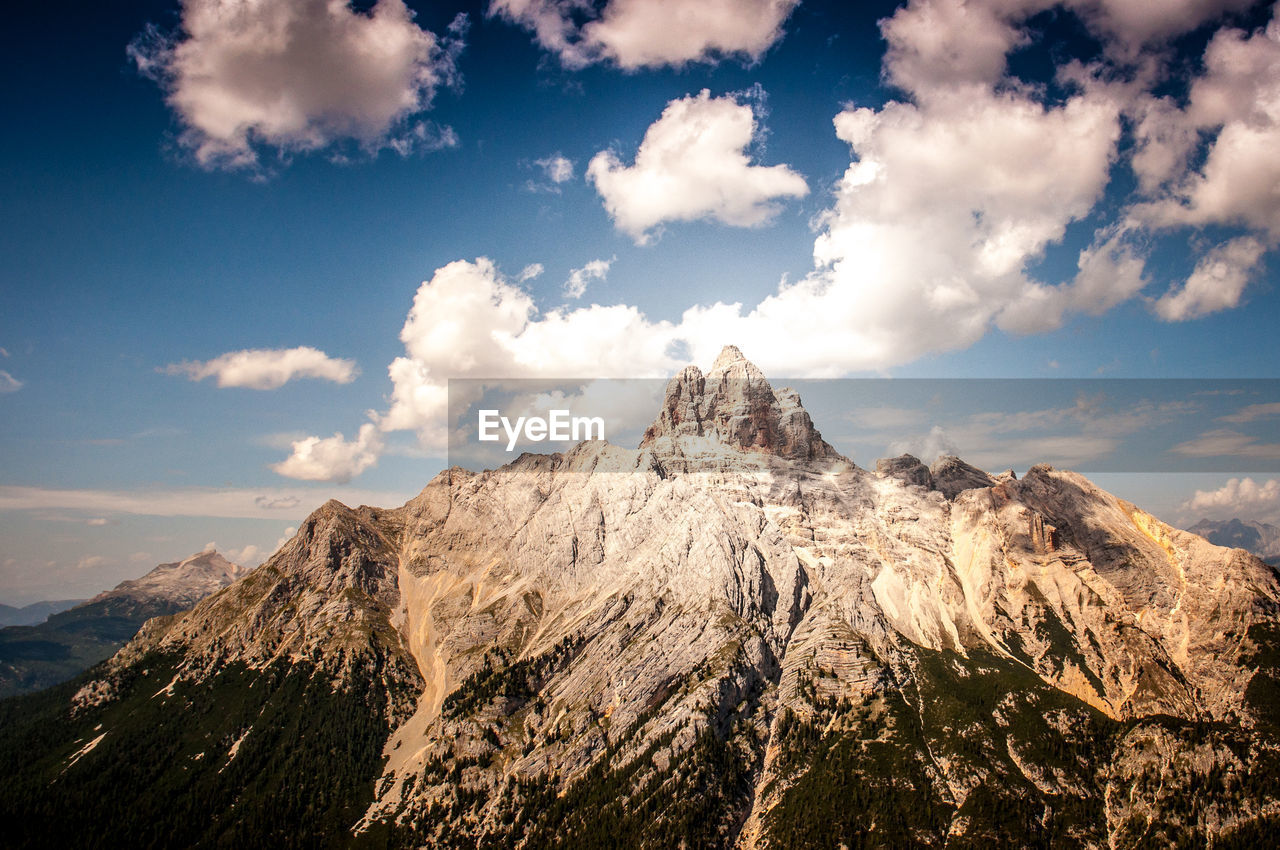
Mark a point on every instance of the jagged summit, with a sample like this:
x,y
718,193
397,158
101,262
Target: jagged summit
x,y
735,404
731,356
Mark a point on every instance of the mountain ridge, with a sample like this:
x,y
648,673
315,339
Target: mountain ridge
x,y
744,640
73,640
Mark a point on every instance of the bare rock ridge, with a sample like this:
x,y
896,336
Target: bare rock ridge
x,y
772,648
735,405
949,475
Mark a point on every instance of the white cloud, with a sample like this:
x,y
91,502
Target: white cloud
x,y
579,279
89,562
8,383
268,369
557,168
936,231
332,458
1131,25
1238,497
531,271
248,556
97,521
298,75
637,34
1218,281
693,164
469,321
1238,98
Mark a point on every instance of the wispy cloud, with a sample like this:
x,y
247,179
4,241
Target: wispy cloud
x,y
579,279
1224,442
268,503
1252,412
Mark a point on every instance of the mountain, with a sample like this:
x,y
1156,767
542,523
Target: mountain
x,y
731,636
71,641
1260,538
36,612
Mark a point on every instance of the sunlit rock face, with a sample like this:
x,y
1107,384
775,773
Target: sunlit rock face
x,y
733,636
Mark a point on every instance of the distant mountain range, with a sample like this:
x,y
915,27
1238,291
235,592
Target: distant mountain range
x,y
1260,538
36,612
73,640
728,637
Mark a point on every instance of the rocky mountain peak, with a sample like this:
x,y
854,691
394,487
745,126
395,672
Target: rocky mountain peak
x,y
735,405
185,582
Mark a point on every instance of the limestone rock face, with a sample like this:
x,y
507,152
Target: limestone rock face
x,y
734,406
734,636
906,468
952,476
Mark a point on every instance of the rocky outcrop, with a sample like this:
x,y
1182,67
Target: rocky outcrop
x,y
733,405
952,476
905,468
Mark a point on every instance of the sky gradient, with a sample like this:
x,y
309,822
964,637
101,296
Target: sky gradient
x,y
247,245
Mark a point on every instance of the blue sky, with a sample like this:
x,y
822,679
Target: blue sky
x,y
1003,188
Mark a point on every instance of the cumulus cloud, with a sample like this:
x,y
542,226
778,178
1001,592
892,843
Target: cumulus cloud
x,y
268,369
90,562
298,75
333,458
8,383
531,271
692,164
936,232
1238,497
1218,281
469,321
635,34
1237,102
579,279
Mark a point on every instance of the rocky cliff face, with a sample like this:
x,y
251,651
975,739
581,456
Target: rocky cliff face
x,y
733,636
